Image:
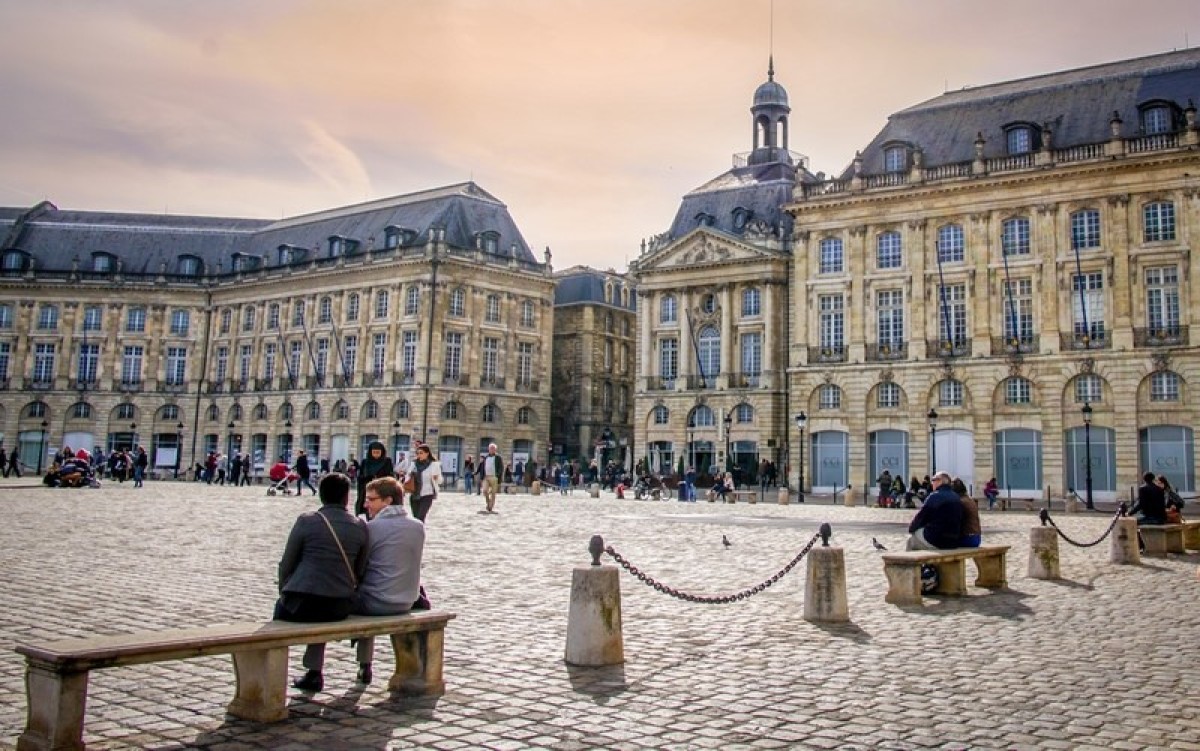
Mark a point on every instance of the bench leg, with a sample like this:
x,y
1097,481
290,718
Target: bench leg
x,y
1175,541
54,719
992,572
1156,541
952,578
1191,537
261,685
904,584
418,663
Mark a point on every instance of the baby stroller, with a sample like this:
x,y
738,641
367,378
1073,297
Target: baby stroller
x,y
281,476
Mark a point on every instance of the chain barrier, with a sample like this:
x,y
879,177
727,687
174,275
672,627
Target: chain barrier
x,y
716,599
1045,517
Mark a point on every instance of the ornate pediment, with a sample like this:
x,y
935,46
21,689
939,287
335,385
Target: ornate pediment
x,y
699,248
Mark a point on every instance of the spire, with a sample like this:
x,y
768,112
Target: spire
x,y
771,67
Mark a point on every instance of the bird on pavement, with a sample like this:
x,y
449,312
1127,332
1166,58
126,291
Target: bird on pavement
x,y
725,541
878,545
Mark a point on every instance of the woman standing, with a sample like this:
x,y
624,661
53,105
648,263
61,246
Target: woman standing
x,y
426,475
375,465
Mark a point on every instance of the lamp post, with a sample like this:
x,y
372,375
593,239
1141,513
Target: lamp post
x,y
133,436
395,438
229,443
178,447
287,453
1087,452
728,457
42,447
932,418
801,421
691,449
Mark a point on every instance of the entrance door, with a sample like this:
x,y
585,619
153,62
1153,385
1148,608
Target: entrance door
x,y
955,453
339,448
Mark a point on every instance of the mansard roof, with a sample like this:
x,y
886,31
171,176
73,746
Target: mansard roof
x,y
583,284
735,199
147,243
1076,105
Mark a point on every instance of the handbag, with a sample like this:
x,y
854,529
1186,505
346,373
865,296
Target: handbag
x,y
410,484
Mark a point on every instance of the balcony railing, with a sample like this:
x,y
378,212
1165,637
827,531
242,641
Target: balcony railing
x,y
1160,336
1082,340
658,383
84,384
1015,345
491,382
37,384
528,385
887,351
455,379
172,387
239,387
264,384
745,380
947,347
828,353
404,379
699,383
131,385
215,387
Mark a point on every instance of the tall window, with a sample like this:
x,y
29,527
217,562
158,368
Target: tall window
x,y
131,364
950,393
270,352
525,363
298,313
221,366
1085,229
668,359
1018,310
1087,304
491,358
1158,221
349,355
325,310
225,321
829,397
662,415
381,303
895,159
453,354
245,357
92,318
48,317
708,351
295,350
1018,390
1014,236
1162,299
322,365
492,309
352,304
888,396
408,354
952,312
6,316
951,246
5,360
701,417
832,257
527,314
458,302
89,362
181,322
412,300
889,250
273,316
1164,387
752,354
744,413
667,311
1156,120
248,316
378,354
890,311
1088,388
177,365
1020,140
524,416
832,322
751,302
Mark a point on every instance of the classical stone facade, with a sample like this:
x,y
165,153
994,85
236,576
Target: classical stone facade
x,y
419,317
593,374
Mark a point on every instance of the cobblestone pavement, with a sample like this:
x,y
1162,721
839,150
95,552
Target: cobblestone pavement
x,y
1108,658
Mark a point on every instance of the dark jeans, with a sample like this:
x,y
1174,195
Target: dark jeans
x,y
300,607
421,506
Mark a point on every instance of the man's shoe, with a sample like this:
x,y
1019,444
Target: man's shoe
x,y
312,681
364,673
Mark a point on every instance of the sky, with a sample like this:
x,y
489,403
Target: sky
x,y
589,119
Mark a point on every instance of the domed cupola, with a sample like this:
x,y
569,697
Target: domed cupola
x,y
770,113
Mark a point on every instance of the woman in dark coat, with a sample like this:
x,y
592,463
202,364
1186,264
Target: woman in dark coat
x,y
374,465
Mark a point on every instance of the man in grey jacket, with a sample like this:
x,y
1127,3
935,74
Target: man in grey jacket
x,y
323,562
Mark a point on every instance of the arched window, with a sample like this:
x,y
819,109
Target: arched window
x,y
1019,139
895,159
745,413
36,409
450,411
1164,387
950,393
667,311
1018,390
402,409
213,414
701,417
489,414
313,411
169,412
888,396
260,412
341,411
662,415
371,410
81,410
524,416
708,350
235,413
830,397
1088,388
286,412
1157,119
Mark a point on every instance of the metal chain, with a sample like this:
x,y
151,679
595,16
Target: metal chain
x,y
1116,516
709,599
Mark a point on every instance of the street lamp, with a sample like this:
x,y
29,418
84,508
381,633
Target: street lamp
x,y
133,436
1087,451
932,418
728,458
178,447
42,447
229,444
287,449
801,421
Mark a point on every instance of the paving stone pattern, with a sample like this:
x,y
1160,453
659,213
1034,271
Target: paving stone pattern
x,y
1108,658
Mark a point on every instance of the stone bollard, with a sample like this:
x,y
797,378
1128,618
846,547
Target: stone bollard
x,y
1072,506
848,497
594,620
784,498
594,490
536,487
1043,553
1124,548
825,584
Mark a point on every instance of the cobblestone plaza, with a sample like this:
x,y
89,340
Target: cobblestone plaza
x,y
1107,658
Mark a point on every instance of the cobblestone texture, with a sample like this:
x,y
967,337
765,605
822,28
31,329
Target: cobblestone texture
x,y
1107,658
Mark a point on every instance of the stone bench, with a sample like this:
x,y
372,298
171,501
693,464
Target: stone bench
x,y
56,672
747,496
903,571
1161,539
1191,535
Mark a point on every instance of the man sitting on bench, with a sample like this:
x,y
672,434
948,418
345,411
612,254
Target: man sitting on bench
x,y
939,522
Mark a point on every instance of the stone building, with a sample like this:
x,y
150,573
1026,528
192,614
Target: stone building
x,y
593,374
423,316
712,312
1002,282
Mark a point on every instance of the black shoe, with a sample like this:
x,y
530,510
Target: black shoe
x,y
364,673
312,681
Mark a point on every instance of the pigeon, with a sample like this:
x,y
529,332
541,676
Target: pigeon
x,y
725,541
878,545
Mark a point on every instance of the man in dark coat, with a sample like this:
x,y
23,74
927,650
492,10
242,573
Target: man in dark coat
x,y
938,524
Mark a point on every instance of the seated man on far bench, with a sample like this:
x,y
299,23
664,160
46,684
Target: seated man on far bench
x,y
938,524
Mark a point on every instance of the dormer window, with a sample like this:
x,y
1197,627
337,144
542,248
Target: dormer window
x,y
741,217
1157,117
488,241
15,260
341,246
189,265
895,158
394,236
704,219
289,254
1021,139
243,262
103,263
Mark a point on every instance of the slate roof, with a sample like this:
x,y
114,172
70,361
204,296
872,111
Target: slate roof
x,y
583,284
144,242
763,189
1077,104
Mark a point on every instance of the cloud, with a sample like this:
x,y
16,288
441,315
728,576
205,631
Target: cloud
x,y
334,163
